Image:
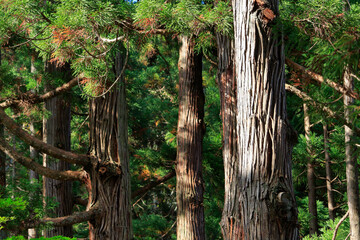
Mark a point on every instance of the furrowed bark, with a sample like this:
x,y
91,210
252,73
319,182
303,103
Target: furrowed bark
x,y
230,221
40,145
330,197
33,98
352,169
56,132
313,228
110,177
341,89
267,202
38,168
190,132
153,184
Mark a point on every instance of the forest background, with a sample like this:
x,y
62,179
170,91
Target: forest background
x,y
80,39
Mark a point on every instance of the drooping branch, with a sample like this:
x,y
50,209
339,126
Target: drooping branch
x,y
38,168
33,98
321,79
40,145
153,184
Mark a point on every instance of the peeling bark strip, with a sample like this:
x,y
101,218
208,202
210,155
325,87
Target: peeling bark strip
x,y
190,131
230,221
267,203
110,177
40,145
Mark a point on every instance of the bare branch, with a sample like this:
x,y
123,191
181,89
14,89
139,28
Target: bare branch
x,y
40,145
339,223
321,79
153,184
106,40
38,168
33,98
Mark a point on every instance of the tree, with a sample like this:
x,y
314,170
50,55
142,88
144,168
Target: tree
x,y
56,131
310,174
190,132
231,219
267,203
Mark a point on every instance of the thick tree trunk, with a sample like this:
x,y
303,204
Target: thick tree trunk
x,y
267,203
230,221
190,132
330,197
56,131
310,175
110,177
351,164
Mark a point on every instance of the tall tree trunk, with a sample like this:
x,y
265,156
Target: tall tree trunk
x,y
351,164
56,131
190,132
267,203
310,175
33,151
110,177
330,197
230,221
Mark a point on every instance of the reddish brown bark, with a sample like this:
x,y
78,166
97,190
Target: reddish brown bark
x,y
190,132
230,222
110,176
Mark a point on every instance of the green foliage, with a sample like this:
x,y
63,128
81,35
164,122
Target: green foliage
x,y
327,231
151,227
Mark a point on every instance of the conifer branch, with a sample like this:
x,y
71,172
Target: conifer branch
x,y
153,184
40,145
33,98
38,168
321,79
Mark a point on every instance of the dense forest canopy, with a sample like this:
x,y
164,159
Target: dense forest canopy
x,y
166,119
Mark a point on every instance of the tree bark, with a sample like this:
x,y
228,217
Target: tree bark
x,y
56,132
110,177
310,175
190,132
267,203
330,197
351,164
230,221
32,177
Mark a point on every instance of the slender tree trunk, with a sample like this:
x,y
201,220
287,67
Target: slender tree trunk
x,y
351,164
190,131
331,202
267,203
56,131
230,222
310,175
33,152
110,185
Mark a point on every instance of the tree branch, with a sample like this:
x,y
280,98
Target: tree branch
x,y
339,223
33,98
321,79
40,145
325,109
38,168
153,184
77,217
